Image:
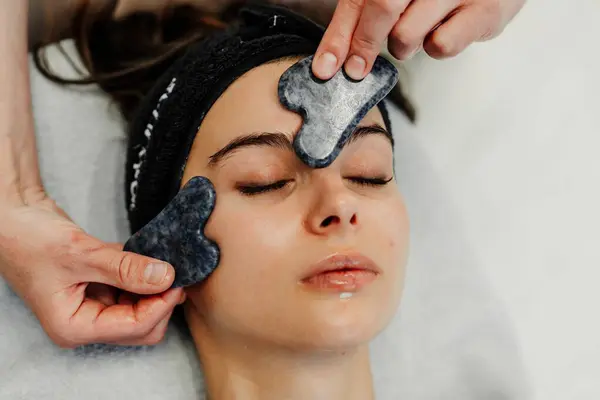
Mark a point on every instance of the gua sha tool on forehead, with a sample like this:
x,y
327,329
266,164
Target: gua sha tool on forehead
x,y
331,109
176,235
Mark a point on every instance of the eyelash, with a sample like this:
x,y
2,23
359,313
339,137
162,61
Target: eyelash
x,y
253,190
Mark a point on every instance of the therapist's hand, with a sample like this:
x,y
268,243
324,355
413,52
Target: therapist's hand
x,y
443,28
65,276
68,278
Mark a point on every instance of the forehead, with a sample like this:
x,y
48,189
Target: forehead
x,y
250,105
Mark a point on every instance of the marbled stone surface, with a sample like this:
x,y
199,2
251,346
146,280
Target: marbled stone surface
x,y
331,109
176,235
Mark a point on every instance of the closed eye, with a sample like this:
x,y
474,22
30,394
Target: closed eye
x,y
255,189
252,190
370,181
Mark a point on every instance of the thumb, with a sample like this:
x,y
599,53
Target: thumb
x,y
129,271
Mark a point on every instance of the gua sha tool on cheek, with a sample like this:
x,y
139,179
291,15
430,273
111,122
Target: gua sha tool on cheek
x,y
176,234
331,109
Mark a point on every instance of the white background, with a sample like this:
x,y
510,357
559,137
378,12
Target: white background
x,y
512,129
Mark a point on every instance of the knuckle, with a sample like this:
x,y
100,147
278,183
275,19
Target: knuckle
x,y
34,194
158,333
69,248
155,338
355,4
336,39
338,44
124,266
387,6
135,329
142,330
61,335
362,44
145,322
488,33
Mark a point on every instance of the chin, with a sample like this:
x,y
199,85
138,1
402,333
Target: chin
x,y
344,326
343,338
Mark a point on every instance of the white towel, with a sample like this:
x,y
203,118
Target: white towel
x,y
501,181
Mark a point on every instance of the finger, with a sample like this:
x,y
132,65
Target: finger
x,y
465,26
335,44
125,8
128,271
415,23
159,331
127,298
105,294
93,322
376,22
153,338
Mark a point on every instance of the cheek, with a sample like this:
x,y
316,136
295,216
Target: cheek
x,y
400,229
254,241
251,231
394,234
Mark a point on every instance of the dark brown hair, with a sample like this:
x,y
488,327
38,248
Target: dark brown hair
x,y
126,56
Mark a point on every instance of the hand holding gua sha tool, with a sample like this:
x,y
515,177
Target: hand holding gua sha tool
x,y
331,110
176,234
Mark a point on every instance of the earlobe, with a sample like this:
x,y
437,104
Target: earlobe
x,y
176,234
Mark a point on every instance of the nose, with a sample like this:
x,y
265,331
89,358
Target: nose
x,y
334,210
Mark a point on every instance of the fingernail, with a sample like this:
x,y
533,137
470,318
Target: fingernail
x,y
155,273
326,65
355,67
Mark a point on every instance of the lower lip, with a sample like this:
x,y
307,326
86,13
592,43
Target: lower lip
x,y
341,281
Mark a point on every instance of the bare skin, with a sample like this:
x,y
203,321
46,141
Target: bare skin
x,y
261,334
67,277
443,28
73,281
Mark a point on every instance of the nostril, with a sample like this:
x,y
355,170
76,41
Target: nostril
x,y
329,220
353,219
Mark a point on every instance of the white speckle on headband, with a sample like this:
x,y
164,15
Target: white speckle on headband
x,y
142,153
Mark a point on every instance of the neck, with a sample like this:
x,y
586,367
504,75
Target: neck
x,y
238,369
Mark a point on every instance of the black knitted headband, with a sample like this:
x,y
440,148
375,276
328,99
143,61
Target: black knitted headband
x,y
168,118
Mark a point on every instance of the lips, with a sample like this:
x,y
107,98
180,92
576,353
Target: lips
x,y
342,273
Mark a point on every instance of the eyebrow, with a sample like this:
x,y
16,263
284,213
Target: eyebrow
x,y
280,140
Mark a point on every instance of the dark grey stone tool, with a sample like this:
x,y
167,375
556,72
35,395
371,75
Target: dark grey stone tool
x,y
331,109
176,234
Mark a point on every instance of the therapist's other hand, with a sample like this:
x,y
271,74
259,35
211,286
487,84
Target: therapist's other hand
x,y
70,279
443,28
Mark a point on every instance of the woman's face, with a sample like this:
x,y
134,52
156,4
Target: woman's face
x,y
275,218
